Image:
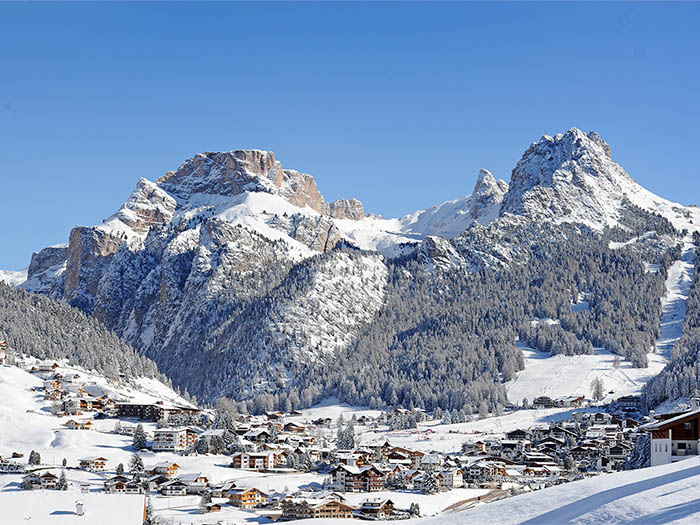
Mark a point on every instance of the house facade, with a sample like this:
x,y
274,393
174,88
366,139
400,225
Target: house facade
x,y
674,439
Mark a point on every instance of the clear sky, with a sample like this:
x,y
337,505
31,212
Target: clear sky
x,y
396,104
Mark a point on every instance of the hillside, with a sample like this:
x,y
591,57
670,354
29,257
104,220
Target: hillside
x,y
237,278
665,494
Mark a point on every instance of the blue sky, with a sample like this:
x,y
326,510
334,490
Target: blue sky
x,y
396,104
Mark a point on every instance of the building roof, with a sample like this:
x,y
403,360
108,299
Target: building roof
x,y
661,425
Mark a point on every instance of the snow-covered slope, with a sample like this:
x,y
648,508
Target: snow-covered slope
x,y
571,177
665,494
560,375
14,278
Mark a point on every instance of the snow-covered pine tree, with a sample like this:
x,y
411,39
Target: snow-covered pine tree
x,y
136,465
62,481
140,439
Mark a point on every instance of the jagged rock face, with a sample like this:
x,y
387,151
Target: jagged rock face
x,y
568,178
89,253
147,206
438,252
46,259
317,233
488,193
347,209
234,172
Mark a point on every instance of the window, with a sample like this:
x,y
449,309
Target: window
x,y
687,426
681,446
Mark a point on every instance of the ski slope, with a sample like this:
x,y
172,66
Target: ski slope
x,y
560,375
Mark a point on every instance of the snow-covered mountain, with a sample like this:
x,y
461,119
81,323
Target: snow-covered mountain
x,y
571,177
234,259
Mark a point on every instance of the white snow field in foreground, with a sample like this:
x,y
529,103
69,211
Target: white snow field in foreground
x,y
53,507
665,494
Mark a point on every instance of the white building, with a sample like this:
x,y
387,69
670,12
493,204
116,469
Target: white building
x,y
173,439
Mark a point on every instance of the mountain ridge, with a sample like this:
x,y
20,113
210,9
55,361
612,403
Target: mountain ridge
x,y
232,246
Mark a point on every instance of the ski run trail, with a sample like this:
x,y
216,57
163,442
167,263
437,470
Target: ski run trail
x,y
560,375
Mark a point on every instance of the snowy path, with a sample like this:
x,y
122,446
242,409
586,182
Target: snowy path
x,y
674,306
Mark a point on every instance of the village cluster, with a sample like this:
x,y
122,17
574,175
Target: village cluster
x,y
353,456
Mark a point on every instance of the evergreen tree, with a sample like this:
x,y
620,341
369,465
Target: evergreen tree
x,y
430,483
120,469
597,389
204,501
202,446
569,463
136,465
217,445
140,439
62,481
34,458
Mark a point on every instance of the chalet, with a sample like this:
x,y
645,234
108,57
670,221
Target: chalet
x,y
294,428
628,402
213,507
32,480
165,468
114,479
430,462
10,467
246,498
674,439
302,508
152,411
571,401
124,487
174,487
48,481
414,455
46,367
196,482
377,508
78,425
258,435
518,434
96,464
253,460
451,479
3,352
173,439
619,450
357,479
544,402
220,490
154,482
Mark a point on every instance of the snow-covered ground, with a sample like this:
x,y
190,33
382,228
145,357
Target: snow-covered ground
x,y
14,278
561,375
51,507
665,494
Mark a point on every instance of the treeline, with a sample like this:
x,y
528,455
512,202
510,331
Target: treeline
x,y
681,377
40,327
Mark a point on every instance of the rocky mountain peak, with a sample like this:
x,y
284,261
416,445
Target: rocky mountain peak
x,y
568,178
488,192
234,172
